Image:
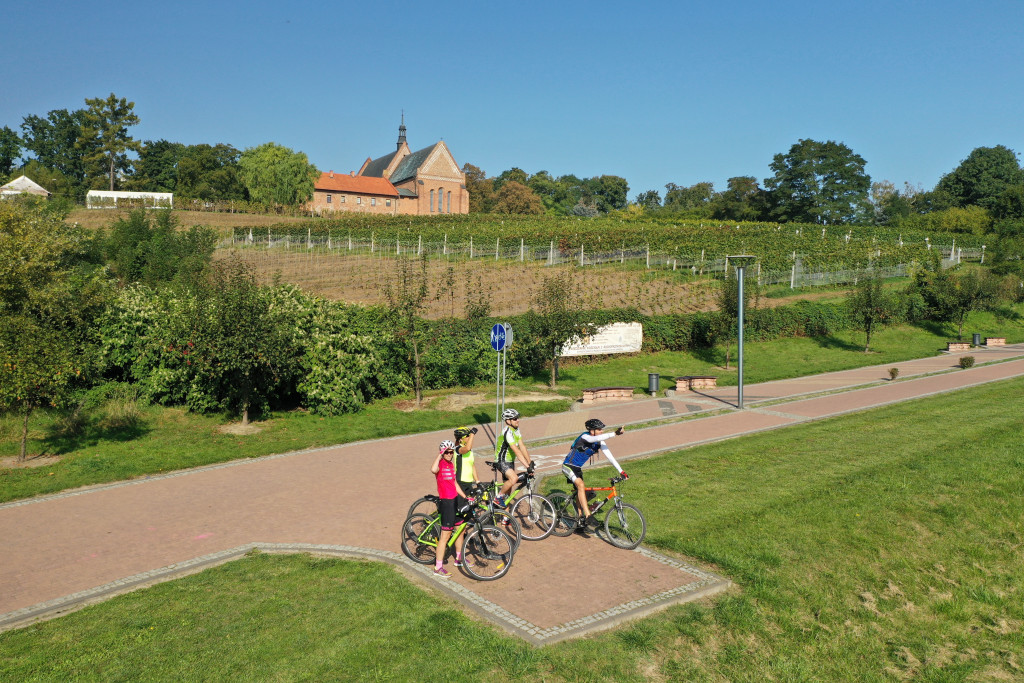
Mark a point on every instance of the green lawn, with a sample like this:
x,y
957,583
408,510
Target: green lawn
x,y
163,439
881,546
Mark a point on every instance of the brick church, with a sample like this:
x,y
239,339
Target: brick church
x,y
404,182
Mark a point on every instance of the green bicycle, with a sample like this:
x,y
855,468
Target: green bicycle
x,y
487,550
534,512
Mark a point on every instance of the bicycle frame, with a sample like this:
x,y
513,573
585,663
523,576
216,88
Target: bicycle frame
x,y
435,521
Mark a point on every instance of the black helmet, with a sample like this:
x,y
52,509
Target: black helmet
x,y
593,423
462,432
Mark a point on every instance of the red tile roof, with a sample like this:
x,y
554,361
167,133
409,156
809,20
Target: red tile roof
x,y
343,182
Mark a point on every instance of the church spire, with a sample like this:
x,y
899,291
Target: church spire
x,y
401,131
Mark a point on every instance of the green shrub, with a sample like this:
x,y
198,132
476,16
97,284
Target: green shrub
x,y
966,362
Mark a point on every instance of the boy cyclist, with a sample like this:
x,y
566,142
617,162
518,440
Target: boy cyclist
x,y
583,449
507,450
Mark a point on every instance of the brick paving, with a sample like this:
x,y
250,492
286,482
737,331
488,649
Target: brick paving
x,y
63,551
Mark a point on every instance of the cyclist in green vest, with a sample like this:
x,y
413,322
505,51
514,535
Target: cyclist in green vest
x,y
507,450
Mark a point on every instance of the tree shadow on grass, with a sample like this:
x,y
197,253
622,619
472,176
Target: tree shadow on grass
x,y
63,438
837,344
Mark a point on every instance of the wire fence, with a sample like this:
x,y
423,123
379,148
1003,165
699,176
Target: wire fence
x,y
551,254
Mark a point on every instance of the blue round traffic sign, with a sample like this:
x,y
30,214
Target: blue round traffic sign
x,y
498,337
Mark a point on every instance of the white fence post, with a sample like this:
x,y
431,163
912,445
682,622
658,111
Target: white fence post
x,y
521,252
497,242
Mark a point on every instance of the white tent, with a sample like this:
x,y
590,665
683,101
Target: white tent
x,y
106,199
23,185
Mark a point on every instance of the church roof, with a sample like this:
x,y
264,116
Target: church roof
x,y
407,168
377,167
360,184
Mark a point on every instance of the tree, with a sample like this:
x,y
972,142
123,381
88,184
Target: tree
x,y
514,174
50,293
982,177
514,197
210,172
480,188
238,349
694,200
742,201
870,305
10,150
649,200
56,144
818,182
407,296
104,135
275,175
951,295
562,318
156,169
611,193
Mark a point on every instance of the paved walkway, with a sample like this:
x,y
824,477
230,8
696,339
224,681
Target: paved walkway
x,y
60,552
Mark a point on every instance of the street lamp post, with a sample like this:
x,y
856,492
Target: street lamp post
x,y
740,262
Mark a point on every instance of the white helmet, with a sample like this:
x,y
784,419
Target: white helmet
x,y
510,414
446,445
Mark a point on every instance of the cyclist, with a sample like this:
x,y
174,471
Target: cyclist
x,y
583,449
507,450
448,490
465,462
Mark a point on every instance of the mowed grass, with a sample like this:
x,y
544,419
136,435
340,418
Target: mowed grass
x,y
161,439
880,546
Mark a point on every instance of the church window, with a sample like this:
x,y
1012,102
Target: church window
x,y
431,201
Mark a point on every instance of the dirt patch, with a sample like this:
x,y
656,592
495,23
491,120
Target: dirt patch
x,y
12,462
468,399
239,429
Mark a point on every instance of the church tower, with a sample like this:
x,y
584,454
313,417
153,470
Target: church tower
x,y
401,132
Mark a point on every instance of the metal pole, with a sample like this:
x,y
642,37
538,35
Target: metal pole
x,y
739,274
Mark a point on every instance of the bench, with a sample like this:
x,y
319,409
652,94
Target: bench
x,y
695,382
995,341
595,394
958,346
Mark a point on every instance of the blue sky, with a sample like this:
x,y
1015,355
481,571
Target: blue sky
x,y
657,92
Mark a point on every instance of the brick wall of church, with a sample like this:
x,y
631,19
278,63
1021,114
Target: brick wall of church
x,y
343,201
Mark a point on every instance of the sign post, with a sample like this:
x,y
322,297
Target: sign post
x,y
740,263
501,339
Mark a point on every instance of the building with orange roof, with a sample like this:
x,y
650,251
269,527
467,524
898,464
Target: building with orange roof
x,y
425,182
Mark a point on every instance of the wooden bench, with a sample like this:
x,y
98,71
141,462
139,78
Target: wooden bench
x,y
695,382
958,346
595,394
995,341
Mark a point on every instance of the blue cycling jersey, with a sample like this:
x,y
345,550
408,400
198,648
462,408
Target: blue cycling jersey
x,y
581,451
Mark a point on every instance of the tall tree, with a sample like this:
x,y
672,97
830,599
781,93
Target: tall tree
x,y
514,197
819,182
611,193
870,305
210,172
480,188
104,135
10,150
562,318
649,200
743,200
56,143
982,177
407,297
50,293
952,294
156,169
694,199
276,175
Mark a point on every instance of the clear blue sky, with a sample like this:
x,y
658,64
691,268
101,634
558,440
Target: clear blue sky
x,y
655,92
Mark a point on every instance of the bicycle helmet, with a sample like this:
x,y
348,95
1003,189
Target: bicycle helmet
x,y
462,432
593,424
446,445
510,414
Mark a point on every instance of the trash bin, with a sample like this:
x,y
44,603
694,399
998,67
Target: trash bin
x,y
977,339
653,379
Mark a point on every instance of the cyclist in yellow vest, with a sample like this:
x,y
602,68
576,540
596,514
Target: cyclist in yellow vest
x,y
465,464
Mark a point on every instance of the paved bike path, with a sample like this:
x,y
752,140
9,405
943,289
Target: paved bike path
x,y
61,551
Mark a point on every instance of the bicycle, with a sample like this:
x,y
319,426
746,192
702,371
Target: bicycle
x,y
534,512
624,524
427,506
487,551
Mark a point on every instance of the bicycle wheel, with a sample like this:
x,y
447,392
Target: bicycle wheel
x,y
625,526
419,538
422,506
536,516
565,514
487,553
508,523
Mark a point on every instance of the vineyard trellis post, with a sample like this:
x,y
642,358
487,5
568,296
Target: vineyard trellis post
x,y
470,246
581,254
419,247
522,252
648,257
551,254
497,241
444,249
